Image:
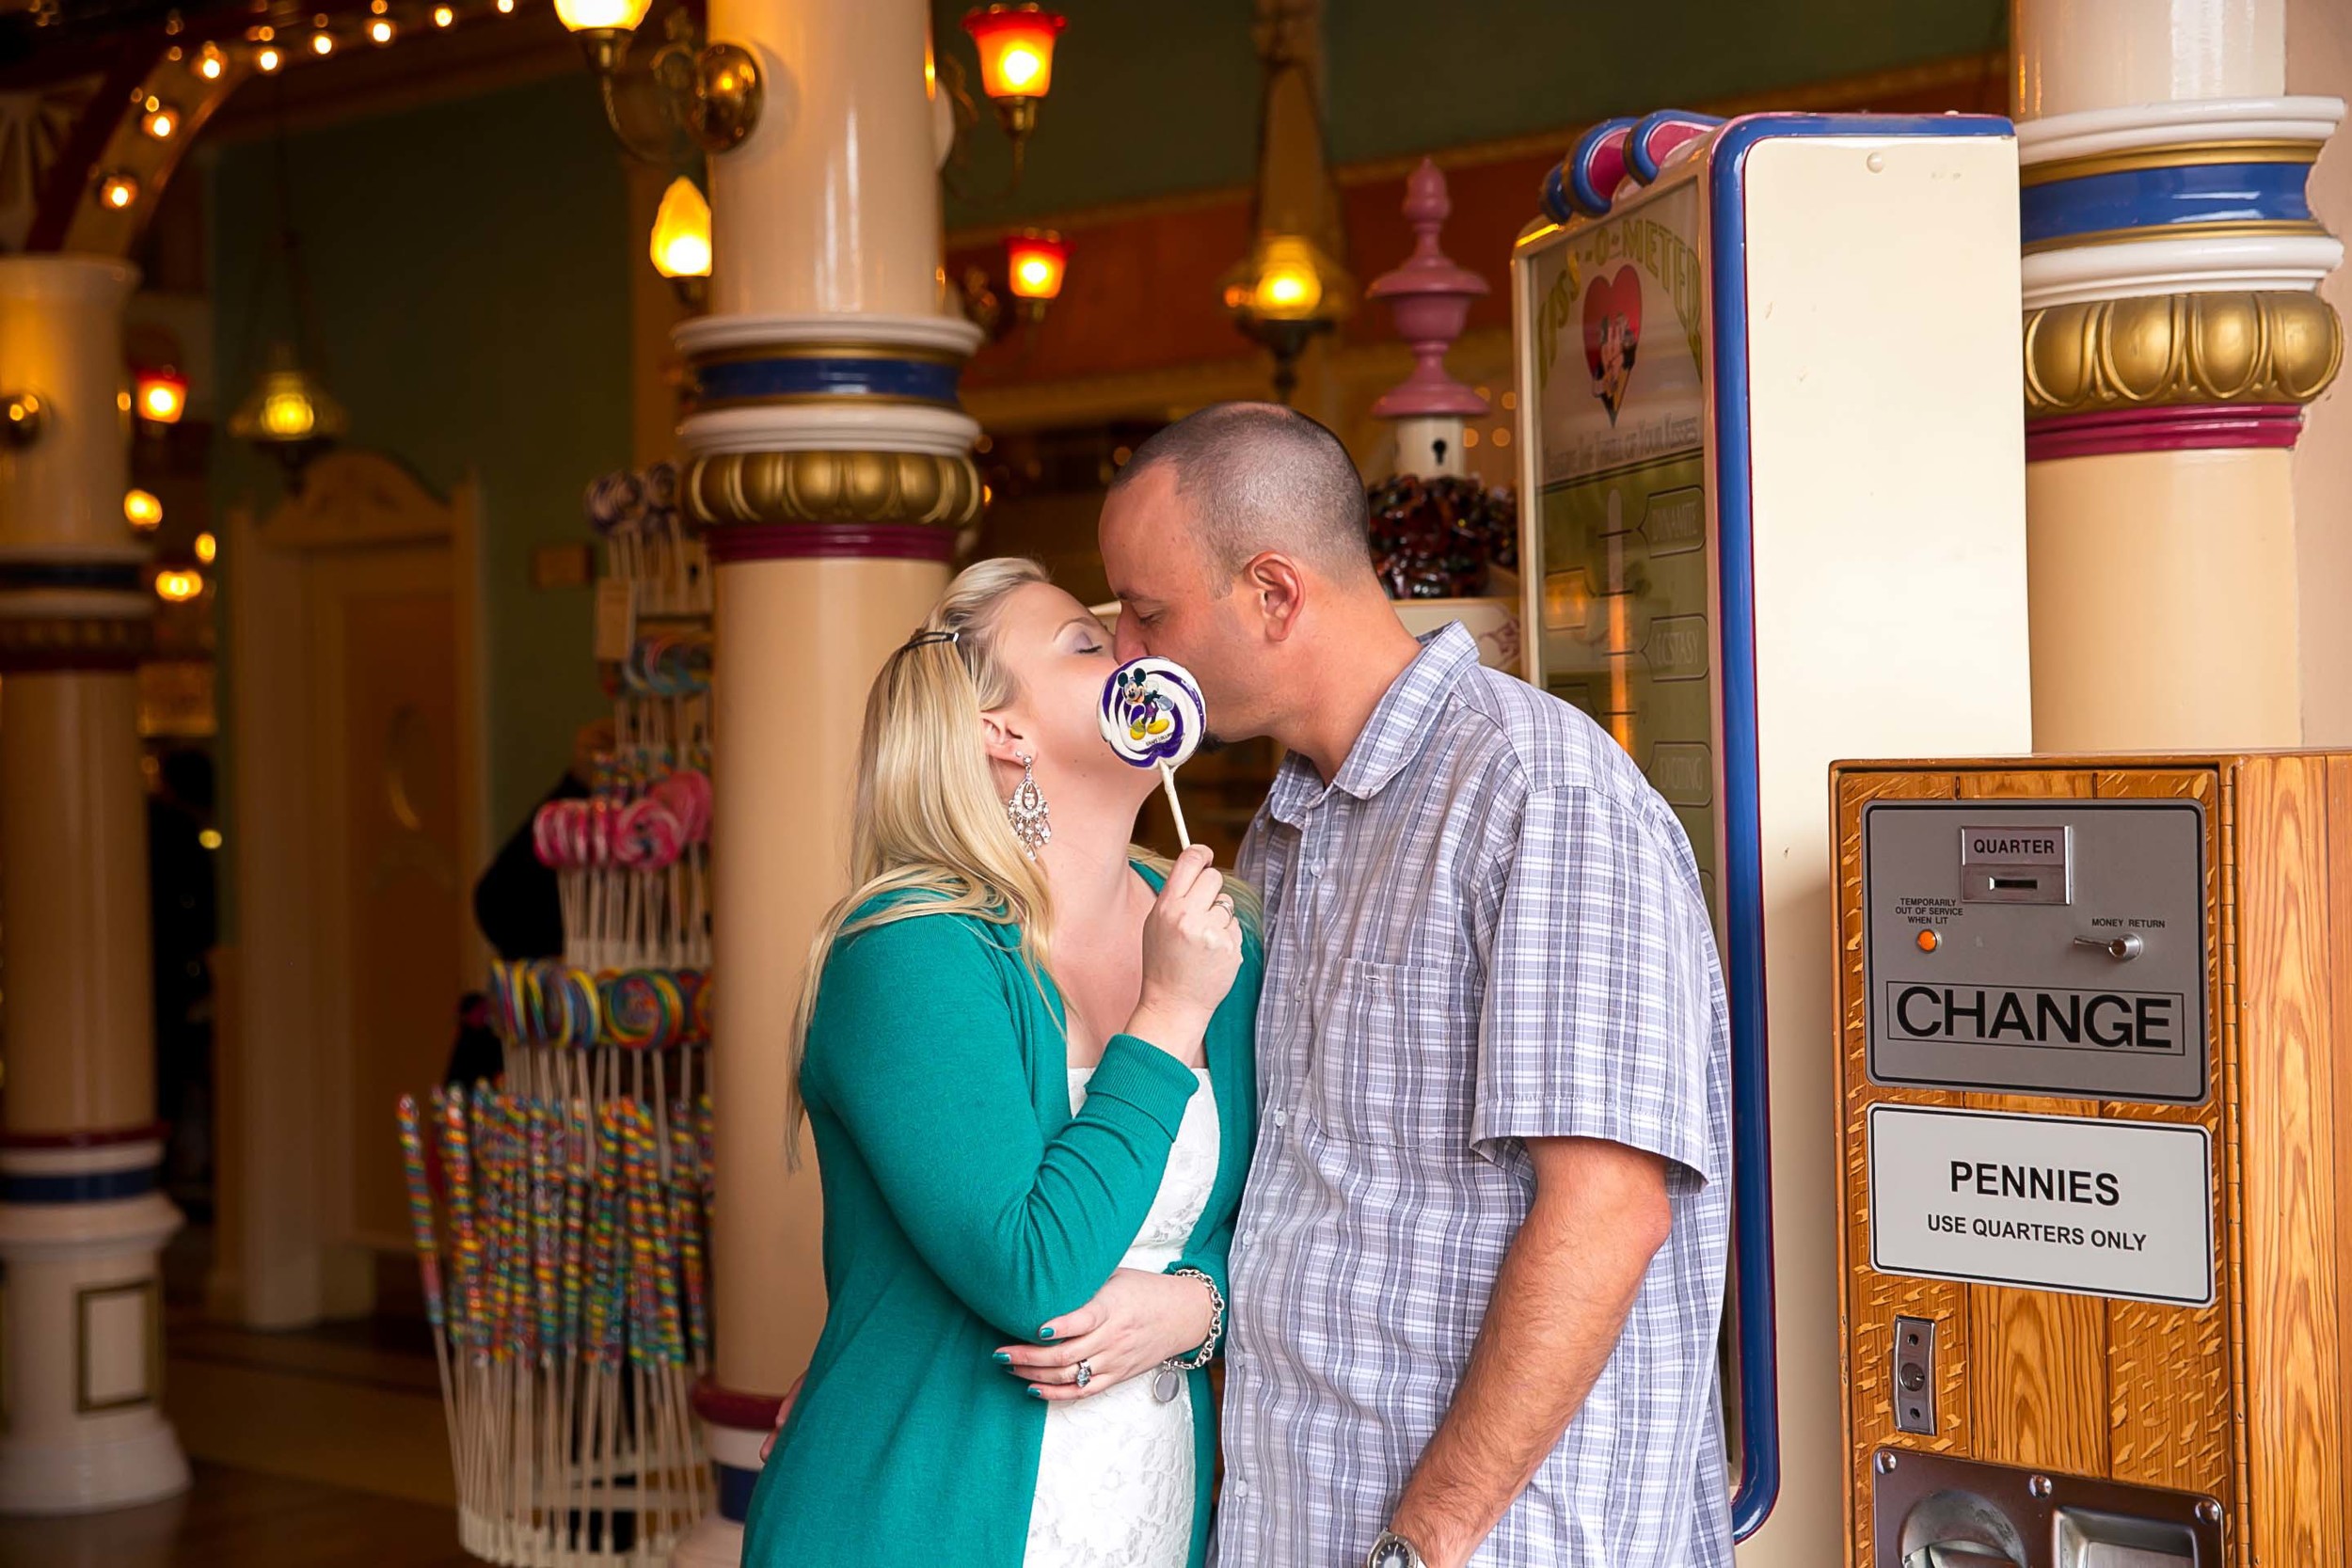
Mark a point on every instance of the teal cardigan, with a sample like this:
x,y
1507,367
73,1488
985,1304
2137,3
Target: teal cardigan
x,y
964,1208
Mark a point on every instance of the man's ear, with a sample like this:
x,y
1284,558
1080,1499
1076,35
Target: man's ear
x,y
1276,591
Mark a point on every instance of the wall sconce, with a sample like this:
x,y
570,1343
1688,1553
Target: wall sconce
x,y
1016,45
1284,292
1036,260
161,394
681,239
20,418
178,585
709,94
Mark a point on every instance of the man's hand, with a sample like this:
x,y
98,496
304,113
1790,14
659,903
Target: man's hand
x,y
1560,1301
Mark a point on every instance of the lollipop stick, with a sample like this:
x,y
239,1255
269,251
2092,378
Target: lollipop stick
x,y
1168,778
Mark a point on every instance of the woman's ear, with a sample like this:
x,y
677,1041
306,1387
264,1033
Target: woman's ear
x,y
1002,738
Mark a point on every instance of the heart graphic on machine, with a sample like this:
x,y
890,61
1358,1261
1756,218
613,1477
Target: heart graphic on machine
x,y
1612,330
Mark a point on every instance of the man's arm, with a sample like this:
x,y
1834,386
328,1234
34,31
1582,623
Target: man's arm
x,y
1560,1301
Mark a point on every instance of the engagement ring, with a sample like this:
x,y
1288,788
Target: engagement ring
x,y
1086,1374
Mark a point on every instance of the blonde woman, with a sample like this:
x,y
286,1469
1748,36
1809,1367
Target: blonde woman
x,y
1025,1060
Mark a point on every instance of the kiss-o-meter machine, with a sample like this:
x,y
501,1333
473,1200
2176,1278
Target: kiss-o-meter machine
x,y
1772,483
2097,1097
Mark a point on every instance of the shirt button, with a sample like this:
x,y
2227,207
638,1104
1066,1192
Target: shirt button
x,y
1248,1237
1278,1115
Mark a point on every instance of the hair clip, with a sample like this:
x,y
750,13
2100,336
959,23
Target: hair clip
x,y
921,638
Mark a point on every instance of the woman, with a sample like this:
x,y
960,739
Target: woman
x,y
1026,1062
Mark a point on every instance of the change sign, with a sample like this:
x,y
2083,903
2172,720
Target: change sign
x,y
2051,1203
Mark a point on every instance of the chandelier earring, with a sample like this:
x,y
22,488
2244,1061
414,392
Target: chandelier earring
x,y
1027,811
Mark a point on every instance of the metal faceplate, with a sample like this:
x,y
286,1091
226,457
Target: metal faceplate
x,y
2037,946
1929,1510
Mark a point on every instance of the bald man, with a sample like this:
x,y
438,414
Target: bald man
x,y
1478,1275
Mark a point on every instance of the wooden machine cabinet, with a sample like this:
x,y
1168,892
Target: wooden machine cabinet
x,y
2094,1045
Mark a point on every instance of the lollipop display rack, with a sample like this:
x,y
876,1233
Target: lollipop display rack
x,y
562,1214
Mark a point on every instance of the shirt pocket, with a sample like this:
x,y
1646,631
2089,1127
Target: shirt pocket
x,y
1395,1058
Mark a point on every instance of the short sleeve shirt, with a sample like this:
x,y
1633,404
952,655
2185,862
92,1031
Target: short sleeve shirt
x,y
1487,928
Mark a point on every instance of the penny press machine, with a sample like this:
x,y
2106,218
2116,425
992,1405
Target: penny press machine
x,y
1772,513
2043,1066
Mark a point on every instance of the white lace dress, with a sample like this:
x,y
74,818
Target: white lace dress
x,y
1115,1472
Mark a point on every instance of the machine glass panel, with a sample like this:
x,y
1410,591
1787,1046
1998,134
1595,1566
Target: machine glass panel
x,y
1621,581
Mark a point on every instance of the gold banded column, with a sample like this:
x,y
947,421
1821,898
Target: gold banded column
x,y
2173,336
826,452
81,1215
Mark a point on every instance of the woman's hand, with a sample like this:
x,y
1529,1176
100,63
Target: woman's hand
x,y
783,1414
1191,952
1135,1322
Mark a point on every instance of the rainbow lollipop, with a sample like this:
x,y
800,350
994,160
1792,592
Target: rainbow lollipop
x,y
1153,717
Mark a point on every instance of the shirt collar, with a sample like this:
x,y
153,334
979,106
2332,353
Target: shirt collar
x,y
1393,736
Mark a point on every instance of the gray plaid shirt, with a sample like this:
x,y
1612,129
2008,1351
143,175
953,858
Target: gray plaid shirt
x,y
1488,928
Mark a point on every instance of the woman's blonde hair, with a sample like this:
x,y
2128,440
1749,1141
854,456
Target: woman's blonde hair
x,y
926,817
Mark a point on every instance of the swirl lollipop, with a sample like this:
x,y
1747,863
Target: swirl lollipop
x,y
1153,717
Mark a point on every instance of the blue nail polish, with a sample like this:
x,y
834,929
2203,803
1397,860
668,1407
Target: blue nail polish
x,y
1003,1359
1036,1393
1045,1333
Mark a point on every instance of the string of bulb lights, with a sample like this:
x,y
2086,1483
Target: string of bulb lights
x,y
272,47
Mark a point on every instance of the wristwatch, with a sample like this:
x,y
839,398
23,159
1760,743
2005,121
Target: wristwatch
x,y
1393,1551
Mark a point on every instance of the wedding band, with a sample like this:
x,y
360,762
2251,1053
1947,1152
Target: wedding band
x,y
1086,1374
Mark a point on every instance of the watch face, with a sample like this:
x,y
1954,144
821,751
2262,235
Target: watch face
x,y
1389,1552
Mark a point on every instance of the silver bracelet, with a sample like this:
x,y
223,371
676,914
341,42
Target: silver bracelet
x,y
1207,1351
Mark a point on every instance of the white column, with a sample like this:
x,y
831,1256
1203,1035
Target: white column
x,y
831,458
2173,332
81,1218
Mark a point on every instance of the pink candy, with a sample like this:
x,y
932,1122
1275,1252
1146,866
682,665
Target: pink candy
x,y
650,831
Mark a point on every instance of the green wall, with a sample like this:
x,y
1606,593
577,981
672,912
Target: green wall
x,y
1155,98
467,265
468,261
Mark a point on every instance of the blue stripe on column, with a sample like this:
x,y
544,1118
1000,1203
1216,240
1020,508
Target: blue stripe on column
x,y
731,380
734,1491
79,1187
2157,198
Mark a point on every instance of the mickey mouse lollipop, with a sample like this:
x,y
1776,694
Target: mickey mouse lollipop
x,y
1153,717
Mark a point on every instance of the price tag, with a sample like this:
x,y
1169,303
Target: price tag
x,y
616,619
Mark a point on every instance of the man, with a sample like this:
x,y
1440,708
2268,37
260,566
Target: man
x,y
1478,1275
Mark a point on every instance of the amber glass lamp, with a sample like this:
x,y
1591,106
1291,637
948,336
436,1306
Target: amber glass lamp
x,y
290,414
603,26
681,231
1016,45
1035,262
161,394
1282,293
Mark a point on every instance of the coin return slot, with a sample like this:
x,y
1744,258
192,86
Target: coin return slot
x,y
2088,1538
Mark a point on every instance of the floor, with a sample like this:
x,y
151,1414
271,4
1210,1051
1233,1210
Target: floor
x,y
311,1450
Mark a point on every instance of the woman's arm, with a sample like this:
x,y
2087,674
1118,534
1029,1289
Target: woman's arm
x,y
912,1047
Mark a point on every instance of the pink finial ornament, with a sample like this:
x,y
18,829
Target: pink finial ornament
x,y
1429,296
